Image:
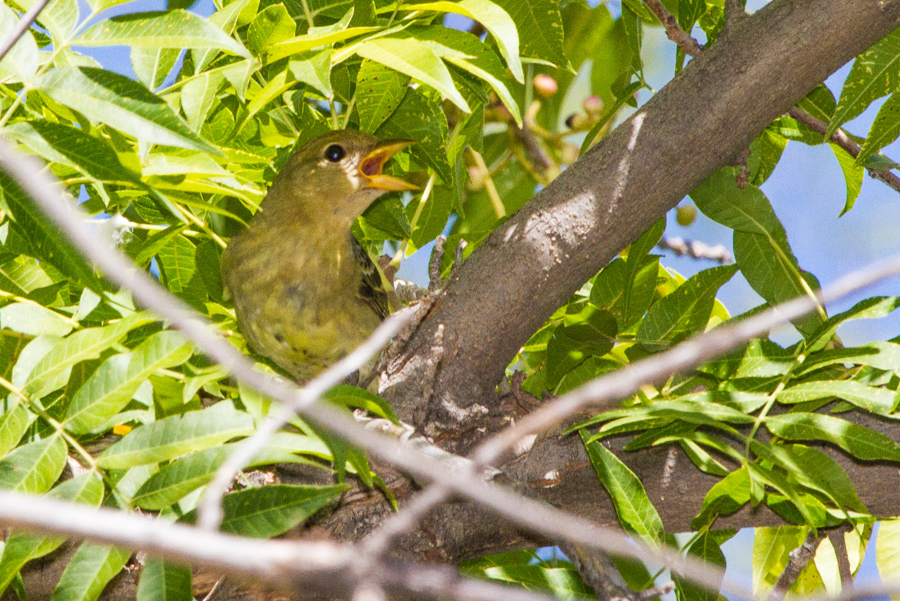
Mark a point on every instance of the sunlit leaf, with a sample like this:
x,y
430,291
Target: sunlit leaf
x,y
89,571
177,435
160,29
635,511
875,73
123,103
415,59
495,20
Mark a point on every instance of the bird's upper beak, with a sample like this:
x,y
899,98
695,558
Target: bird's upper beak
x,y
371,165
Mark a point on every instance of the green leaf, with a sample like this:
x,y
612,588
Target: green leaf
x,y
885,129
727,496
112,386
272,510
122,103
564,582
875,73
771,549
22,59
420,117
153,65
53,369
92,155
34,467
860,442
853,175
880,355
197,97
379,92
540,29
887,550
875,400
308,42
161,580
178,266
359,398
819,103
314,69
32,319
760,243
432,216
176,435
636,512
271,26
189,473
569,345
495,20
89,571
706,549
819,472
870,308
636,299
59,17
160,29
416,59
685,311
13,424
43,236
22,548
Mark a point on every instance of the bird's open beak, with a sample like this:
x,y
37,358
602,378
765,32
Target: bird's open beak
x,y
371,165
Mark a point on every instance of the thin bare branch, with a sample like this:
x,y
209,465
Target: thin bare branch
x,y
799,559
695,249
404,521
318,566
260,559
840,138
535,516
734,12
609,389
21,27
836,537
688,45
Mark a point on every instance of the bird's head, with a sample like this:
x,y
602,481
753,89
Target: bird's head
x,y
339,172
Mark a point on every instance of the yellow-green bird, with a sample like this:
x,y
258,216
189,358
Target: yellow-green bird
x,y
305,292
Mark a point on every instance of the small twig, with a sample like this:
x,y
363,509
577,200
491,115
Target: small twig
x,y
689,45
799,559
695,249
21,27
376,544
434,265
836,537
209,596
458,256
734,11
840,138
489,186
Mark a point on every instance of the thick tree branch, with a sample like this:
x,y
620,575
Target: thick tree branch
x,y
698,123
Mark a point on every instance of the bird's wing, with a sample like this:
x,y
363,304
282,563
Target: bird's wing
x,y
372,287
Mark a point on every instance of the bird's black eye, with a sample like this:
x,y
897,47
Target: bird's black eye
x,y
335,153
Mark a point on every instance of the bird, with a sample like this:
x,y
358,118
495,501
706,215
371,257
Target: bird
x,y
305,292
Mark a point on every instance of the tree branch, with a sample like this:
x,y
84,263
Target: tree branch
x,y
840,138
799,558
698,123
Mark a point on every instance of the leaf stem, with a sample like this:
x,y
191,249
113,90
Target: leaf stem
x,y
489,186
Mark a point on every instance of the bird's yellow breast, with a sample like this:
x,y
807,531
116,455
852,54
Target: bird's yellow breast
x,y
296,297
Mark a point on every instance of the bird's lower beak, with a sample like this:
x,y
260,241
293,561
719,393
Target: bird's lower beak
x,y
372,163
